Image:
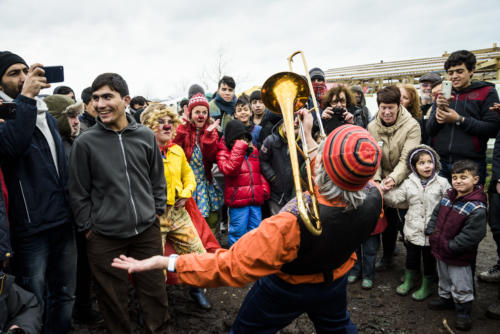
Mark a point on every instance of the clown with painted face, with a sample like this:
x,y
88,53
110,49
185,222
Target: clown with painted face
x,y
198,138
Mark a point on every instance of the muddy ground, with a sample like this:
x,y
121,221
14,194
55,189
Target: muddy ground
x,y
375,311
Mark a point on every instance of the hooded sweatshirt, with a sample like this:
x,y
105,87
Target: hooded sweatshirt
x,y
467,140
421,200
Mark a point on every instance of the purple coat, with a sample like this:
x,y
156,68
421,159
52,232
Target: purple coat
x,y
457,226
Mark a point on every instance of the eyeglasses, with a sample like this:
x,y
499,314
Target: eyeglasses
x,y
341,101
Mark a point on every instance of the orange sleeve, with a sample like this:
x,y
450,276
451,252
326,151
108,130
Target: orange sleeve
x,y
258,253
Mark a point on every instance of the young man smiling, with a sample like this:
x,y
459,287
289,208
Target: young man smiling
x,y
460,127
117,191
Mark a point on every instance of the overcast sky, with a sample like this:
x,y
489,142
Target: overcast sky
x,y
161,47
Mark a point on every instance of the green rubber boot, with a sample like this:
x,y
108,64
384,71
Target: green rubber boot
x,y
408,284
426,289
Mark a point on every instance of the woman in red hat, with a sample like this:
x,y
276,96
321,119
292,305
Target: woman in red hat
x,y
198,138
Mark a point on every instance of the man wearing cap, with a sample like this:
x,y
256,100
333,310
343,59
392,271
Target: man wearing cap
x,y
35,167
427,82
296,271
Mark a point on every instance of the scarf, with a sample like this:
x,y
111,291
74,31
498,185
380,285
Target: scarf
x,y
319,90
225,107
164,149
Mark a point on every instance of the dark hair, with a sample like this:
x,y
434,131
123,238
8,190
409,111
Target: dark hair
x,y
388,95
228,81
183,103
140,100
461,57
113,80
242,100
195,89
335,91
86,95
466,165
63,90
417,156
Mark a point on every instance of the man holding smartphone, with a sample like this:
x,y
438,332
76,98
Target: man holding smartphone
x,y
461,126
35,168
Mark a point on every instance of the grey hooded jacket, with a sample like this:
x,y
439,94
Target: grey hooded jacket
x,y
116,180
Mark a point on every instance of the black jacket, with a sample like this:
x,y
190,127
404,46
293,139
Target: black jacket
x,y
276,167
18,307
495,167
468,140
37,192
116,180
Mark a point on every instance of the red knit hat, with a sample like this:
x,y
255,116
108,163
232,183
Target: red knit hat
x,y
351,157
197,100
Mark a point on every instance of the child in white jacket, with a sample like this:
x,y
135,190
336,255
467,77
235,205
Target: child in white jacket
x,y
421,191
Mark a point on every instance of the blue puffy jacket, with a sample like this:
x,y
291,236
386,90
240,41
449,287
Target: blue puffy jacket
x,y
38,197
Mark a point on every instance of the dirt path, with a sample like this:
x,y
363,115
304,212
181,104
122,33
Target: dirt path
x,y
379,310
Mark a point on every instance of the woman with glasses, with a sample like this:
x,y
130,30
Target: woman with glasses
x,y
176,223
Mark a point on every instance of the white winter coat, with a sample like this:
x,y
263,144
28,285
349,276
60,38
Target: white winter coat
x,y
421,202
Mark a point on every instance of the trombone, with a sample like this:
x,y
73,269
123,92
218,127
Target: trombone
x,y
286,93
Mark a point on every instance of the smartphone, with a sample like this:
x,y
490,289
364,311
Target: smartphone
x,y
8,110
54,73
446,88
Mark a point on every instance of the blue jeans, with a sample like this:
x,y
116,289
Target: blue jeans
x,y
273,303
446,170
367,254
45,264
242,220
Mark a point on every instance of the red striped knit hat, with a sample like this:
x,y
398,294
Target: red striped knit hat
x,y
197,100
351,157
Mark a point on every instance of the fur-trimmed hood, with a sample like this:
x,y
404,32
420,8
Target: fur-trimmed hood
x,y
428,149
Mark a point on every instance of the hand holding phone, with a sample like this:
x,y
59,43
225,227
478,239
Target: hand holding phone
x,y
35,81
446,88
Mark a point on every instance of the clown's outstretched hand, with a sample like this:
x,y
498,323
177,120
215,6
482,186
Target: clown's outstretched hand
x,y
132,265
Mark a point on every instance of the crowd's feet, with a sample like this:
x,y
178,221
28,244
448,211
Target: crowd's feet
x,y
384,264
491,275
366,283
493,311
199,297
88,317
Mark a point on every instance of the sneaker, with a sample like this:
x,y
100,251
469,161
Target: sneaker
x,y
491,275
352,278
367,284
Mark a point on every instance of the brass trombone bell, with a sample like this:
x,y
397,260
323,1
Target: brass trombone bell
x,y
285,83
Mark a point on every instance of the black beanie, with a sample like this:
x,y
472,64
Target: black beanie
x,y
195,89
234,130
7,59
256,95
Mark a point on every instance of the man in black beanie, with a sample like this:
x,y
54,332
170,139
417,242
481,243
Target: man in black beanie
x,y
36,174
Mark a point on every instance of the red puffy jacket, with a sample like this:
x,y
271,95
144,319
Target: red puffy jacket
x,y
244,183
186,138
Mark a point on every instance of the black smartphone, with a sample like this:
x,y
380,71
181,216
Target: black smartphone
x,y
8,110
54,73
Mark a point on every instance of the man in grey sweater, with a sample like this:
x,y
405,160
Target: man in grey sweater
x,y
117,190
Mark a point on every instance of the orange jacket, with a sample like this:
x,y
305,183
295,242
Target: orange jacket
x,y
260,252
